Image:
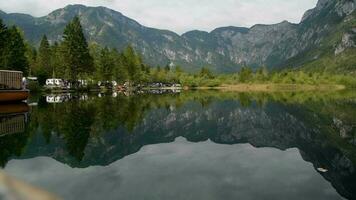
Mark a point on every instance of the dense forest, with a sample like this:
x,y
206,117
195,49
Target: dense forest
x,y
74,59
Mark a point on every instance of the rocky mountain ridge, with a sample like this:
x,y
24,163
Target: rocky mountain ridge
x,y
329,27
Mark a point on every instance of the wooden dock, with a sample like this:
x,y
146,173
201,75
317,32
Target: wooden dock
x,y
13,118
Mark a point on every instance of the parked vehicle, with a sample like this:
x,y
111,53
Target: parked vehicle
x,y
53,82
107,84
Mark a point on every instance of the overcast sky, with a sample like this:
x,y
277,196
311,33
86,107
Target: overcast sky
x,y
181,15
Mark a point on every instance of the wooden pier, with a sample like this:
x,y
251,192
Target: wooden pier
x,y
13,118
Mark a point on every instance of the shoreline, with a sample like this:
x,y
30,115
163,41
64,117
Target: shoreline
x,y
273,87
236,88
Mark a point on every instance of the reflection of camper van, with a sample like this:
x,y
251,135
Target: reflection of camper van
x,y
107,83
177,85
83,83
55,82
57,98
61,98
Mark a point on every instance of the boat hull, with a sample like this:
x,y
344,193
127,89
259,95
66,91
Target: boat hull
x,y
13,108
13,95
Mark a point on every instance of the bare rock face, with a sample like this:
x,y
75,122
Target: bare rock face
x,y
320,5
346,42
345,7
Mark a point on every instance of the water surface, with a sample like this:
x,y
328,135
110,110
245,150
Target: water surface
x,y
190,145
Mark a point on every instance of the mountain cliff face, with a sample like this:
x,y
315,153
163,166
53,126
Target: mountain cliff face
x,y
329,27
327,31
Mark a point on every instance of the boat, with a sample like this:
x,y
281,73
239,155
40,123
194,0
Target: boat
x,y
13,109
12,87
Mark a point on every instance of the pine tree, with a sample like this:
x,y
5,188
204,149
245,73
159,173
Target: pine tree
x,y
76,52
57,61
31,55
15,52
94,50
262,73
132,63
245,74
45,69
106,66
205,72
3,39
119,71
167,68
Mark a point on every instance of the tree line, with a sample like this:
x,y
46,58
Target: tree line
x,y
12,49
71,59
74,59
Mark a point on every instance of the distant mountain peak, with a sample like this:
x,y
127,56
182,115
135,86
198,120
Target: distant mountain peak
x,y
231,28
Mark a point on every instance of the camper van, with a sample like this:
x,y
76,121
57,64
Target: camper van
x,y
54,82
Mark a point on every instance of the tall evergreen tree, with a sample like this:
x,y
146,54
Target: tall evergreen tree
x,y
45,69
31,55
106,66
205,72
3,39
120,72
76,52
167,68
132,63
15,52
57,61
245,74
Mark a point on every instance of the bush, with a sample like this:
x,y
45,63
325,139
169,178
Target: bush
x,y
34,86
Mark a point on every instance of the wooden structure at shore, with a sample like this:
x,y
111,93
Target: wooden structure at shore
x,y
12,125
13,118
12,87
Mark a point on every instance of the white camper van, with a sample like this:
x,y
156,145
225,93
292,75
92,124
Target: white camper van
x,y
54,82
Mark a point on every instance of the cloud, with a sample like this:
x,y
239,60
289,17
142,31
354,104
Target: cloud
x,y
181,15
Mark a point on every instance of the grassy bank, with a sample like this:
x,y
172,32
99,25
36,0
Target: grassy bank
x,y
274,87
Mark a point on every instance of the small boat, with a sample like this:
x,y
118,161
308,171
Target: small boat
x,y
13,95
13,109
12,87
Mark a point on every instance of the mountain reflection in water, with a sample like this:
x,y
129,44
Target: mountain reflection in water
x,y
87,131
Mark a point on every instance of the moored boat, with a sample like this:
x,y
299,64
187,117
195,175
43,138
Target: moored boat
x,y
12,87
13,95
13,108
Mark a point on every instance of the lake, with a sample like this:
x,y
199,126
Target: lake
x,y
185,145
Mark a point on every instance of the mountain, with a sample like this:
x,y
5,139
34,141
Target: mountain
x,y
326,32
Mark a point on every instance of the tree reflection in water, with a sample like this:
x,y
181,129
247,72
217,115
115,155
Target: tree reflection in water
x,y
88,131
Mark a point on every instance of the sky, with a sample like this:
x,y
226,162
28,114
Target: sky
x,y
181,15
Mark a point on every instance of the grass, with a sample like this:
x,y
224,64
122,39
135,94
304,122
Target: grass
x,y
274,87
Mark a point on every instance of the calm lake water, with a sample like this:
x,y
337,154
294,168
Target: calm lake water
x,y
189,145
